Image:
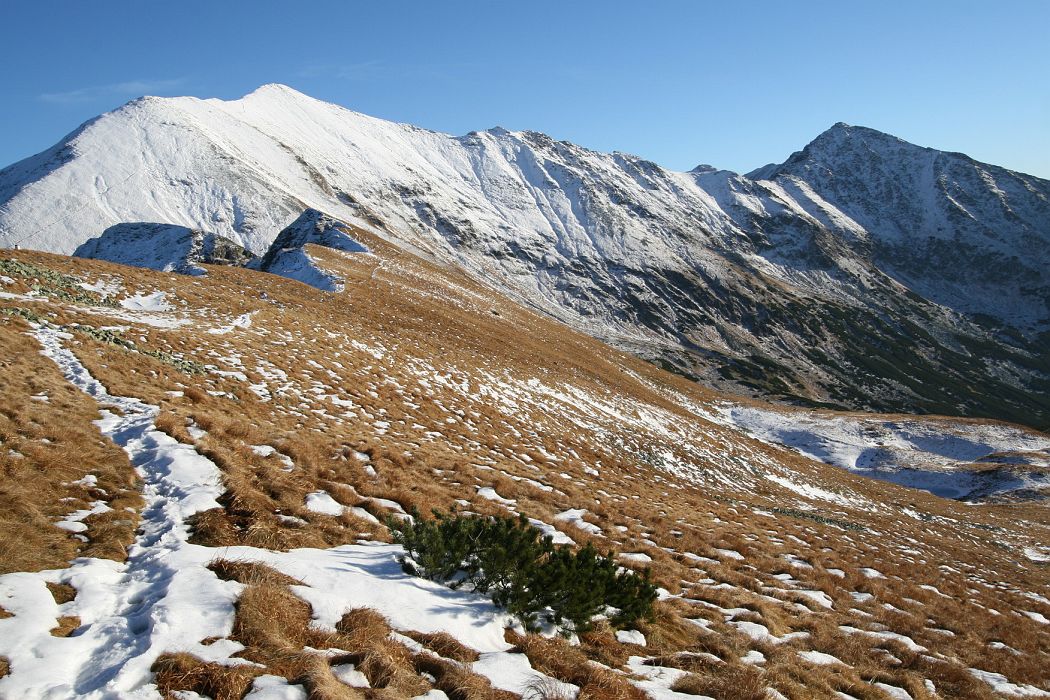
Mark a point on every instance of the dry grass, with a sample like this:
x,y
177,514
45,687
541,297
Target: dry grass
x,y
724,682
213,528
250,573
952,681
5,666
364,633
600,645
273,624
112,532
545,689
557,658
182,671
457,681
67,625
316,676
667,632
175,672
408,310
62,592
445,645
692,661
46,446
174,424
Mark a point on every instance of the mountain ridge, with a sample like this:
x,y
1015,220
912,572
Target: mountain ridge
x,y
203,471
780,286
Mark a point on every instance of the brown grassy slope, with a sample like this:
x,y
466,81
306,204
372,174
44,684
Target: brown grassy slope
x,y
419,386
47,445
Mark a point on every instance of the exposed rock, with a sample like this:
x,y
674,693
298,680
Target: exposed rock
x,y
288,258
165,247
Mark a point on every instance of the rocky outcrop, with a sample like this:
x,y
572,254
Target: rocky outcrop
x,y
165,247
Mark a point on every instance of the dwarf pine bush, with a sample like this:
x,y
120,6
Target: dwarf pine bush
x,y
522,571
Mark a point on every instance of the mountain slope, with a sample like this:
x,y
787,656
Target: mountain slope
x,y
761,284
197,469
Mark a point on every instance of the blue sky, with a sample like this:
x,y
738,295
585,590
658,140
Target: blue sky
x,y
735,85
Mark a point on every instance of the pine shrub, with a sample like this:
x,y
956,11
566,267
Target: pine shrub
x,y
522,571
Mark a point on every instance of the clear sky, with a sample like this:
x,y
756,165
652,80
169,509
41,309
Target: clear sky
x,y
735,85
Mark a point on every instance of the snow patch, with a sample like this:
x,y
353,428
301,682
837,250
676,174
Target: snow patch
x,y
630,637
322,502
157,301
575,516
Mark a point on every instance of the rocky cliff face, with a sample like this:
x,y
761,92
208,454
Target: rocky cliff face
x,y
863,272
288,256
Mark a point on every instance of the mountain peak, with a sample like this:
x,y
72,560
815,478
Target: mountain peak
x,y
834,144
273,89
842,135
841,132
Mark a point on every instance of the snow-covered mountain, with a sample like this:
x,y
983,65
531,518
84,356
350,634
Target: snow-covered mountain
x,y
964,234
863,272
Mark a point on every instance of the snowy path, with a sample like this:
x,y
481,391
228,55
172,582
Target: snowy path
x,y
162,599
165,599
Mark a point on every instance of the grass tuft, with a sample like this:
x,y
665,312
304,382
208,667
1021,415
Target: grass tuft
x,y
724,682
185,672
445,645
